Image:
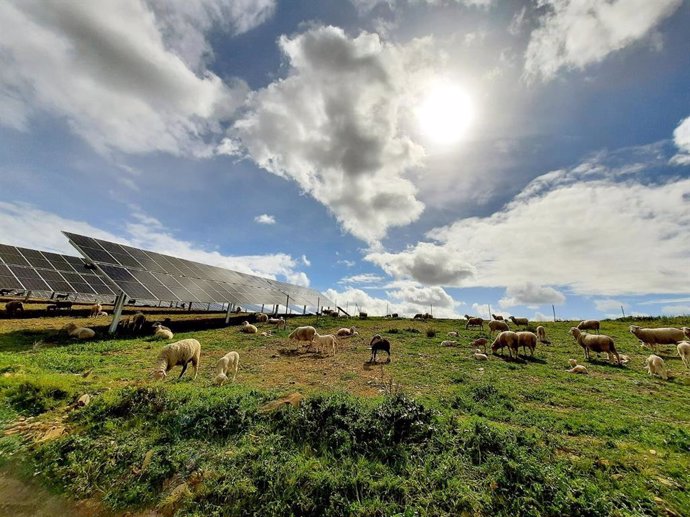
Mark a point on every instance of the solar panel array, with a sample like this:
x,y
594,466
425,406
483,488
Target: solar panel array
x,y
148,275
41,271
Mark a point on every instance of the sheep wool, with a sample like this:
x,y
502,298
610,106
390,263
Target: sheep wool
x,y
326,340
655,366
683,349
230,362
179,353
79,332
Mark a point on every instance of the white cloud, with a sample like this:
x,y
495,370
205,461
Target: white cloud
x,y
26,226
661,301
540,316
531,295
576,33
335,125
107,69
364,278
364,6
681,137
347,263
609,305
593,229
676,310
265,219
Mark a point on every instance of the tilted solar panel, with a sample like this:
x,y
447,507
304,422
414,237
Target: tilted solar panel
x,y
148,275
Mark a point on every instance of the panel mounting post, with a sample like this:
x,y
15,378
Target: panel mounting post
x,y
287,305
227,313
117,312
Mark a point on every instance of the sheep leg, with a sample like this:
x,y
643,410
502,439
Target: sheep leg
x,y
184,369
196,368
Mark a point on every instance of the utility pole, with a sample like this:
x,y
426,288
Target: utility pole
x,y
623,311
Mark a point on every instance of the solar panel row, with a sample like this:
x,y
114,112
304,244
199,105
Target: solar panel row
x,y
33,270
153,276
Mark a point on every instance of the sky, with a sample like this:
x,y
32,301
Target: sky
x,y
405,156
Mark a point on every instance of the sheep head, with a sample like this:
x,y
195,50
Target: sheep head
x,y
159,375
575,332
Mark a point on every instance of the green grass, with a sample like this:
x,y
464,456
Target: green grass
x,y
433,432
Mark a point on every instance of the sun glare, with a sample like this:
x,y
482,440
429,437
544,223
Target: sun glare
x,y
446,113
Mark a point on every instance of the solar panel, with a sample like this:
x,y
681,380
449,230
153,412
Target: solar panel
x,y
148,275
41,271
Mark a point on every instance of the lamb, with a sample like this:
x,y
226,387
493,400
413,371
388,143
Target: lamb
x,y
481,342
229,362
267,333
507,338
655,366
248,328
479,356
474,322
180,353
519,321
303,334
577,368
497,317
162,332
326,340
278,322
95,309
378,343
589,325
13,308
541,334
683,349
449,343
344,333
660,336
262,318
497,326
598,343
527,340
452,334
78,332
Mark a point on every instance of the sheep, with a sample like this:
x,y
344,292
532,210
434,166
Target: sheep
x,y
519,321
102,313
303,334
95,309
378,343
262,318
497,317
179,353
572,362
589,325
482,341
507,338
162,332
655,366
248,328
138,322
229,362
344,332
78,332
683,349
449,343
541,334
473,322
659,336
326,340
479,356
267,333
527,340
497,326
452,334
278,322
577,368
13,308
686,331
598,343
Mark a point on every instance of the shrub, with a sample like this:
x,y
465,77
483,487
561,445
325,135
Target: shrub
x,y
430,333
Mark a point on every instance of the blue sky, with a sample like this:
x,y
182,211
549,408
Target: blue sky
x,y
397,155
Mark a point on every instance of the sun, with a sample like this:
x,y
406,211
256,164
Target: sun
x,y
446,113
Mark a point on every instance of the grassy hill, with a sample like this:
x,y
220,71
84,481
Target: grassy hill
x,y
433,432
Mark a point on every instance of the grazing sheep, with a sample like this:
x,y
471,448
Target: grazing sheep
x,y
655,366
527,340
13,308
474,322
507,338
278,322
519,321
346,332
377,344
229,362
541,334
482,342
497,326
180,353
262,318
78,332
598,343
497,317
452,334
95,309
303,334
248,328
325,340
449,343
479,356
589,325
683,349
660,336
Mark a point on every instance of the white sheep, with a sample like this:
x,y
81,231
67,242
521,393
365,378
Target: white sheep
x,y
95,310
345,332
303,334
102,313
449,343
278,322
229,362
655,366
479,356
527,340
589,325
267,333
79,332
452,334
659,336
572,362
248,328
598,343
162,333
324,340
179,353
519,321
578,368
686,331
541,334
262,318
508,339
497,326
683,349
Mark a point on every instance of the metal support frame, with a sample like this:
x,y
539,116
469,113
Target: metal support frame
x,y
304,310
227,314
287,305
117,312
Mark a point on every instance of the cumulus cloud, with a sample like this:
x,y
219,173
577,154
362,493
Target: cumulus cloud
x,y
531,295
364,278
265,219
27,226
334,126
676,310
681,137
575,33
107,69
609,305
594,229
364,6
